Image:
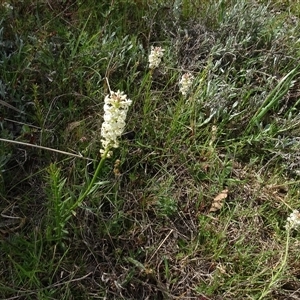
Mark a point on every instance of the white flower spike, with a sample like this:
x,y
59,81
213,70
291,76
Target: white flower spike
x,y
185,83
7,6
115,110
293,221
155,57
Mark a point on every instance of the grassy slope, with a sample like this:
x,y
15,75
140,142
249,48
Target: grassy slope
x,y
147,231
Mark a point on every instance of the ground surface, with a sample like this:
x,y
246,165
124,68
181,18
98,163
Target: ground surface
x,y
194,202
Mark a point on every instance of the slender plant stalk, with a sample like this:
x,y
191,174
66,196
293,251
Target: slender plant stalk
x,y
91,184
280,270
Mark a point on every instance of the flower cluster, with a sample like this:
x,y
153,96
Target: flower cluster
x,y
115,110
185,83
293,221
7,6
155,57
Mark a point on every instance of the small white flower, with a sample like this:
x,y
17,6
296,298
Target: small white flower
x,y
115,110
155,57
293,221
7,6
185,83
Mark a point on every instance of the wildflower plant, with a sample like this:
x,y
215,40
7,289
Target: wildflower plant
x,y
293,221
115,110
155,57
185,83
116,106
7,6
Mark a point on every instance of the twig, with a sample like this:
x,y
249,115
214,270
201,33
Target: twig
x,y
161,244
45,148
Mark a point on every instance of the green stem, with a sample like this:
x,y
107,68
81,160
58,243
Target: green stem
x,y
281,268
88,189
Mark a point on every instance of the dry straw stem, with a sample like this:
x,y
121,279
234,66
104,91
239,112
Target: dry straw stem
x,y
45,148
161,244
11,107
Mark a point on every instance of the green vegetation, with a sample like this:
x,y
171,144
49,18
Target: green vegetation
x,y
194,202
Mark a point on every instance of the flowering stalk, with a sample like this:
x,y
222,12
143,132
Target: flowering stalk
x,y
7,6
115,110
154,60
185,83
293,221
155,57
283,264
